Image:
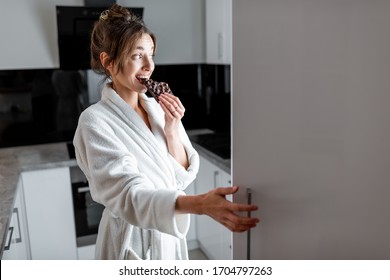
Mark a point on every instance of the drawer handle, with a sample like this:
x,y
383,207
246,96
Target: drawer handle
x,y
7,247
18,239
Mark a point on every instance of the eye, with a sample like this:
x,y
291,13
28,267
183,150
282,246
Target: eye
x,y
137,56
140,56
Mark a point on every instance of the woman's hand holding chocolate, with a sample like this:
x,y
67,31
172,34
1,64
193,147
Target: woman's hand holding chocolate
x,y
174,111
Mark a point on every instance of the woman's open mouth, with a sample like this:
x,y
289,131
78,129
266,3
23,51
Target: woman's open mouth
x,y
142,79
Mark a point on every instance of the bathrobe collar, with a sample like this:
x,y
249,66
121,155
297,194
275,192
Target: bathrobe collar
x,y
155,138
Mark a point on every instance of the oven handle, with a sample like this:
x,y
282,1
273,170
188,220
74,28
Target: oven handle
x,y
83,189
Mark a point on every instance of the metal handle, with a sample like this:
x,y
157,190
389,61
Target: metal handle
x,y
215,178
248,240
83,189
18,239
221,45
11,229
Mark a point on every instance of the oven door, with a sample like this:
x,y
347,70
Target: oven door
x,y
87,214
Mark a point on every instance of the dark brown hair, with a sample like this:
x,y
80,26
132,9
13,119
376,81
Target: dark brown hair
x,y
115,33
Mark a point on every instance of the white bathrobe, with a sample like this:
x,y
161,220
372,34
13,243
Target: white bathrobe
x,y
131,173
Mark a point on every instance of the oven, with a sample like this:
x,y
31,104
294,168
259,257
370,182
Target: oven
x,y
87,212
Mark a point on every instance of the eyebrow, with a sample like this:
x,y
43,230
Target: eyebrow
x,y
142,48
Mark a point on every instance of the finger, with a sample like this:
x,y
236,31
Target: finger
x,y
172,107
166,110
174,100
172,113
226,190
237,207
245,221
232,226
237,227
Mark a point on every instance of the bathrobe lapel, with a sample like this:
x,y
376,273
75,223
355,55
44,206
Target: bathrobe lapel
x,y
153,142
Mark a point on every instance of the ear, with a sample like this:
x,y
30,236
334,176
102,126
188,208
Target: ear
x,y
103,59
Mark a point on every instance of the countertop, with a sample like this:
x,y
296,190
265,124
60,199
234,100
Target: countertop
x,y
15,160
223,163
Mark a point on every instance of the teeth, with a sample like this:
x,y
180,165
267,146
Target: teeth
x,y
143,77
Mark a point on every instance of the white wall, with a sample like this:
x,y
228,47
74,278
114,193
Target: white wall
x,y
29,33
179,26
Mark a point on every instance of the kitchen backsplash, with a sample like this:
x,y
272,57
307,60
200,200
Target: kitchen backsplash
x,y
43,105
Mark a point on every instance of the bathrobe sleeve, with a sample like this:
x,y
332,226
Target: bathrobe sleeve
x,y
116,182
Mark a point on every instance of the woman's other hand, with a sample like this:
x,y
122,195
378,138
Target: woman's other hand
x,y
215,205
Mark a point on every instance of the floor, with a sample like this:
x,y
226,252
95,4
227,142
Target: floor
x,y
196,254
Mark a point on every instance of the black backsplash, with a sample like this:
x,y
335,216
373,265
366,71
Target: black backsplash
x,y
204,91
43,105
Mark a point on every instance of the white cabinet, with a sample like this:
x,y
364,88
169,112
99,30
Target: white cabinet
x,y
218,31
86,252
191,235
179,27
33,31
50,219
214,239
17,245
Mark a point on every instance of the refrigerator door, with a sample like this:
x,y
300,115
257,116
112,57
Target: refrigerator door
x,y
311,127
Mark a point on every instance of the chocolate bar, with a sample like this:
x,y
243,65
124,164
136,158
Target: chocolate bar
x,y
156,88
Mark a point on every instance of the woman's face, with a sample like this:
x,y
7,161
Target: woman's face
x,y
139,64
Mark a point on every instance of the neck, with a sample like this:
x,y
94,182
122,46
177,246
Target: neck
x,y
131,98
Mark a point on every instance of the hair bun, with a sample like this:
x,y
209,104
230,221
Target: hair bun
x,y
117,13
104,15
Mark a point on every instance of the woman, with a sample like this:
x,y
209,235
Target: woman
x,y
136,155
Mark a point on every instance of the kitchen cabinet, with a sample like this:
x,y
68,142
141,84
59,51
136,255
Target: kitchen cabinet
x,y
191,235
218,31
50,218
33,31
86,252
178,25
214,239
17,246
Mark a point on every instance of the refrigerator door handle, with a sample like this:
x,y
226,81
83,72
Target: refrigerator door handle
x,y
248,241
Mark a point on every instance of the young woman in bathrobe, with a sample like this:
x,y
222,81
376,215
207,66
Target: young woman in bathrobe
x,y
136,154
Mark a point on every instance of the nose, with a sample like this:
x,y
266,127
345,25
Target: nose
x,y
148,64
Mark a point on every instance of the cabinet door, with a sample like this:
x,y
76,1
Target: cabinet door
x,y
49,208
218,31
214,239
16,247
191,235
226,236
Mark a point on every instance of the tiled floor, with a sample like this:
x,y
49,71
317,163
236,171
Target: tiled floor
x,y
196,255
